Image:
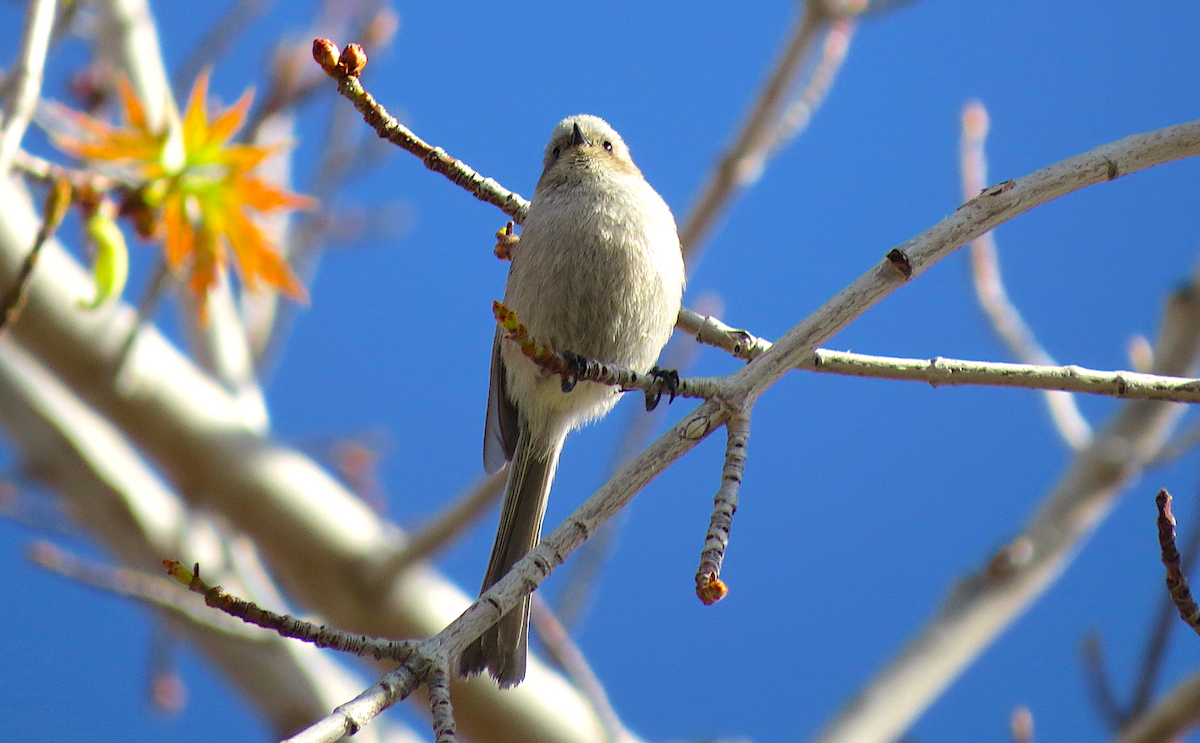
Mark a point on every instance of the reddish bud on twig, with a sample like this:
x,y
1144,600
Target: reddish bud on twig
x,y
325,52
710,589
352,61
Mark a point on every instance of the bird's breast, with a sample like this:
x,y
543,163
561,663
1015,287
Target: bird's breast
x,y
598,271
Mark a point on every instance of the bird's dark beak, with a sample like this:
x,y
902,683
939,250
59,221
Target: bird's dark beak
x,y
577,137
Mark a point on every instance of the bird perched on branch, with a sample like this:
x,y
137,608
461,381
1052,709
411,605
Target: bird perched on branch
x,y
598,272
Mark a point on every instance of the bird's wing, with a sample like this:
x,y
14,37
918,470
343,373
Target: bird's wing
x,y
500,430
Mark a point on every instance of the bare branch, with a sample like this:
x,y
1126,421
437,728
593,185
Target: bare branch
x,y
574,368
1168,720
286,625
709,586
939,372
712,332
24,82
1096,673
743,161
971,220
1177,582
434,158
152,589
1156,644
444,729
55,208
1005,319
985,602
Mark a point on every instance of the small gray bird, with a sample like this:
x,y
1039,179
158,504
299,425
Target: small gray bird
x,y
598,272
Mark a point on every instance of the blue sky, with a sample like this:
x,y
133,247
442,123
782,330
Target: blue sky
x,y
863,500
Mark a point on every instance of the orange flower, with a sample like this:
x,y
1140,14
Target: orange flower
x,y
200,188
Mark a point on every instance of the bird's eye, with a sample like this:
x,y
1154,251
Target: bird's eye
x,y
608,145
554,153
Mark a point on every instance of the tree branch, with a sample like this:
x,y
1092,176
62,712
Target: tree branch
x,y
993,299
24,83
985,602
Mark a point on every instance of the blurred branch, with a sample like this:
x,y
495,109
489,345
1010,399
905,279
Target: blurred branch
x,y
58,201
572,660
764,130
322,543
1003,315
43,170
449,524
985,602
1095,671
127,38
151,589
796,118
978,609
1168,720
131,513
584,574
234,22
1182,443
23,84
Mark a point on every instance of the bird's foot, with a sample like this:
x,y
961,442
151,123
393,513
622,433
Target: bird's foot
x,y
667,381
578,366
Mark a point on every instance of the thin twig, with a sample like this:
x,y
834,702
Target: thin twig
x,y
1021,725
1002,314
1156,644
151,589
434,158
584,574
24,82
287,625
712,332
1177,582
448,525
939,372
742,162
573,368
573,661
709,586
55,208
1095,671
235,21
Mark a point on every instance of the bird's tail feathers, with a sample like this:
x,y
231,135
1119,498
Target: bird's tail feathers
x,y
503,648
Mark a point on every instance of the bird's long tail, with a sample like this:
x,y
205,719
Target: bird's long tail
x,y
502,649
